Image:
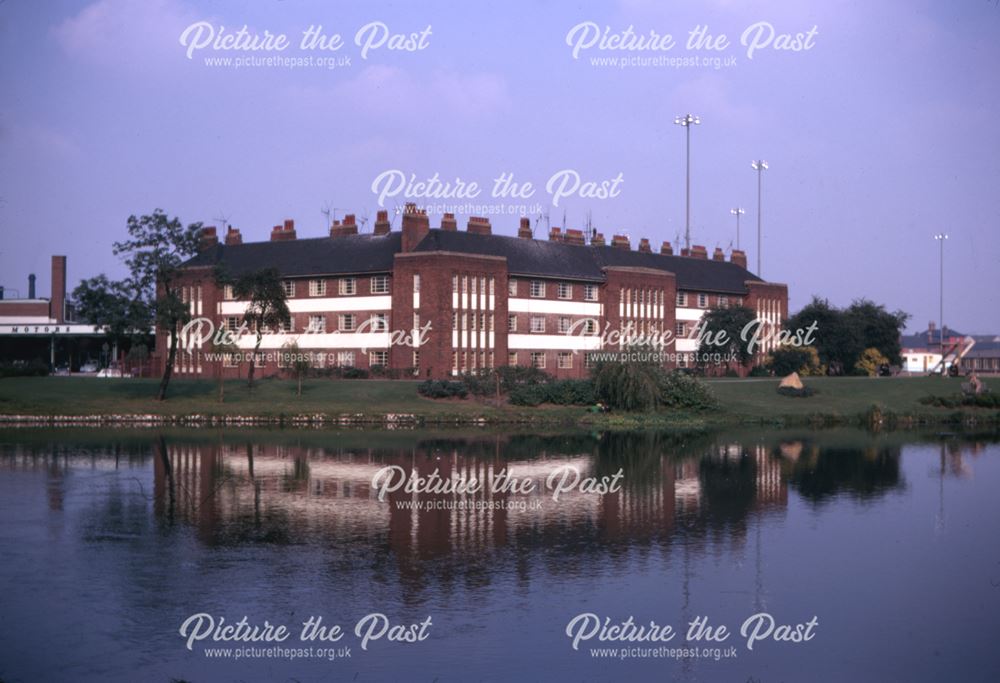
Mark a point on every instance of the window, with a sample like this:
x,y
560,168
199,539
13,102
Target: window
x,y
454,320
416,321
454,361
416,362
465,284
723,302
379,322
348,286
590,326
493,284
681,330
563,325
233,323
229,360
482,322
345,359
537,289
380,284
454,283
703,301
465,321
491,322
565,360
565,290
317,324
416,283
347,322
317,288
378,358
682,360
228,293
682,299
512,287
285,326
512,358
289,288
538,324
473,292
588,361
590,292
538,359
512,323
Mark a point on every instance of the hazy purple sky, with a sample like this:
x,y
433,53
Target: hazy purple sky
x,y
882,134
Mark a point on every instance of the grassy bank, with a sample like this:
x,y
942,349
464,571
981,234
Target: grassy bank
x,y
838,400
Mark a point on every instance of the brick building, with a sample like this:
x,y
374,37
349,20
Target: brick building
x,y
435,302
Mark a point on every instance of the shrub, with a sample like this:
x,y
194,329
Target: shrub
x,y
801,359
678,390
628,386
870,361
436,388
759,371
22,368
565,392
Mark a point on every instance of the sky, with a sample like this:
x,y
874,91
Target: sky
x,y
879,131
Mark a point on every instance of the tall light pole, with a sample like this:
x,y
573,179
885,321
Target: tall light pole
x,y
760,166
687,121
738,211
941,237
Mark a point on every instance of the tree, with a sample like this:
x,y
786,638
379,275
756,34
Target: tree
x,y
111,305
731,321
267,306
223,347
154,251
297,362
838,341
879,329
787,359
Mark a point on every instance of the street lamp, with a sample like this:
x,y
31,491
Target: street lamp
x,y
760,166
941,237
687,121
738,211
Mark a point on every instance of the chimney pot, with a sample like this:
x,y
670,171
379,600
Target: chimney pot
x,y
666,249
574,237
31,286
448,222
281,233
415,227
382,225
718,255
555,234
644,246
349,219
739,257
698,252
233,236
208,239
598,240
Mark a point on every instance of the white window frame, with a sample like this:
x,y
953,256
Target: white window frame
x,y
565,360
379,322
564,290
536,328
342,322
289,287
512,287
378,358
538,359
317,324
703,301
347,286
590,292
380,284
682,299
317,288
537,289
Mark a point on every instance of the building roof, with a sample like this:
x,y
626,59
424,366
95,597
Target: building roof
x,y
557,259
311,256
927,338
527,257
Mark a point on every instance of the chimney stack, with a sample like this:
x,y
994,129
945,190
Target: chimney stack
x,y
382,226
739,257
524,230
57,304
699,252
598,240
348,226
574,237
479,226
415,226
31,286
644,246
555,235
208,239
620,242
233,236
283,233
666,249
718,255
449,223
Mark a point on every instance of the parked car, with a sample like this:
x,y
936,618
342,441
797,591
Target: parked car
x,y
61,370
110,372
89,366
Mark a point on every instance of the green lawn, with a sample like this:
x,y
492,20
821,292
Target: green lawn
x,y
835,396
750,399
